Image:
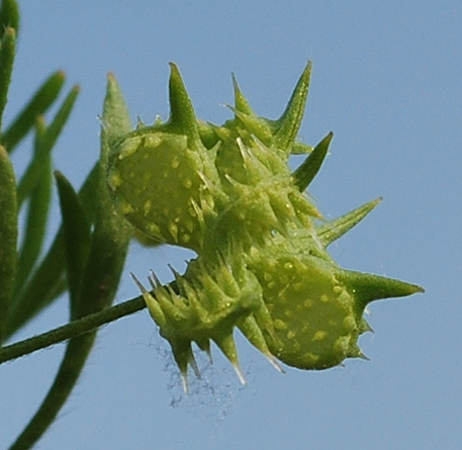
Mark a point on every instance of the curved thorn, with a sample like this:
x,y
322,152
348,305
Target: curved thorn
x,y
227,345
289,122
334,229
363,356
153,280
184,382
138,283
275,363
239,374
367,287
240,102
192,362
305,174
182,116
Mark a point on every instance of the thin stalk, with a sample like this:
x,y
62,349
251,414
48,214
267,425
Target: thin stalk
x,y
73,329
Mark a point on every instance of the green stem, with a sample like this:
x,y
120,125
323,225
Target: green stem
x,y
71,330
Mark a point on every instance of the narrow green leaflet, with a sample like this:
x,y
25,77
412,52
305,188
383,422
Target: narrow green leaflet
x,y
34,171
36,185
8,237
76,235
9,16
7,52
40,102
37,212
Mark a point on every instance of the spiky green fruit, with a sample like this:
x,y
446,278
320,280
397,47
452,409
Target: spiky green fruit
x,y
262,265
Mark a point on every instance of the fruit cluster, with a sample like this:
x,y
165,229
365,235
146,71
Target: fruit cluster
x,y
227,193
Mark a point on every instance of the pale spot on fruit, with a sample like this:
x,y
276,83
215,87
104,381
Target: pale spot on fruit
x,y
341,345
153,229
344,298
337,289
116,180
187,184
152,140
125,207
308,303
279,324
173,230
320,336
349,323
129,147
188,224
147,207
310,358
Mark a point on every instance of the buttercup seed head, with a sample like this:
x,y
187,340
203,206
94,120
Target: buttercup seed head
x,y
262,265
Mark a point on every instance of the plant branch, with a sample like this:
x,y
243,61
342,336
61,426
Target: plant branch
x,y
71,330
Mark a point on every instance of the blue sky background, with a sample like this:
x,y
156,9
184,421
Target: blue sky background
x,y
386,80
